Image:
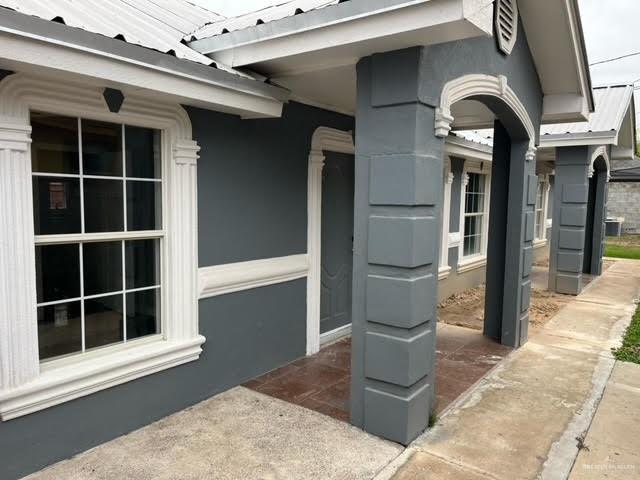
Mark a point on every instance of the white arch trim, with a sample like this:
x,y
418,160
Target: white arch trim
x,y
324,139
25,385
601,151
475,85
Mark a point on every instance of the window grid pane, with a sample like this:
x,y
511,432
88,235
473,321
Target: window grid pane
x,y
474,213
99,316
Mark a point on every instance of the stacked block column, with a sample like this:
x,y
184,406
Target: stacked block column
x,y
571,194
397,233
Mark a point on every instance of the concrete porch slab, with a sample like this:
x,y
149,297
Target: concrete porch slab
x,y
240,434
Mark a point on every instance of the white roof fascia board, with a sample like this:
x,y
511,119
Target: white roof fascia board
x,y
559,107
188,82
287,37
459,147
577,139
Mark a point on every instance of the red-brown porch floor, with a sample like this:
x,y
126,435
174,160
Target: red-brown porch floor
x,y
321,382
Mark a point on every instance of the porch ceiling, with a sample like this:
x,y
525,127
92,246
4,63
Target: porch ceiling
x,y
313,51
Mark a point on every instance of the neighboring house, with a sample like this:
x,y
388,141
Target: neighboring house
x,y
186,206
623,200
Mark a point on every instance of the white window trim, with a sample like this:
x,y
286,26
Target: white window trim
x,y
26,385
546,185
444,268
471,262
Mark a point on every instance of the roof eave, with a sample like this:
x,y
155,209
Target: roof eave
x,y
28,42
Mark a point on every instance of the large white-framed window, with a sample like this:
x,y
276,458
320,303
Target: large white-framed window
x,y
98,203
542,201
99,256
474,217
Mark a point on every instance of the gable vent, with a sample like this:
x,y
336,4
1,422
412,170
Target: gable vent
x,y
506,24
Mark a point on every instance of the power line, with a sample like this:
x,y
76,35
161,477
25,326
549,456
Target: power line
x,y
614,59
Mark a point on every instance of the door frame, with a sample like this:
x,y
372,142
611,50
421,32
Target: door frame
x,y
324,139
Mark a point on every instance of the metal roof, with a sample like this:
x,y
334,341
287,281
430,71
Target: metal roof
x,y
483,136
259,17
612,104
156,24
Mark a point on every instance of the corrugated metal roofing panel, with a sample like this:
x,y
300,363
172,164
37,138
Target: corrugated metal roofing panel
x,y
611,104
156,24
483,137
269,14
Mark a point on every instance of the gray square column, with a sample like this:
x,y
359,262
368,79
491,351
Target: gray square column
x,y
398,191
571,193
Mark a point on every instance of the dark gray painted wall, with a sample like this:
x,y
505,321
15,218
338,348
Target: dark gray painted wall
x,y
252,189
252,182
241,344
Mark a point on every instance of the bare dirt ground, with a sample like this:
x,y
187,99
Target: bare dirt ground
x,y
466,309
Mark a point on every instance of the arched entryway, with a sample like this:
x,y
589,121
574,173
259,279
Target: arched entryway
x,y
596,212
513,188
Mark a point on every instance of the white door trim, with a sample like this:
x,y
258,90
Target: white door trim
x,y
324,140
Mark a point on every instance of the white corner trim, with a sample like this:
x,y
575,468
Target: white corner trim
x,y
479,84
324,139
20,368
235,277
336,334
471,264
77,379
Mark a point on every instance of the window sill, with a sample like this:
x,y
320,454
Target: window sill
x,y
443,272
472,263
77,379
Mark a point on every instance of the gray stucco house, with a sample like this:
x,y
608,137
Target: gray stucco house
x,y
191,201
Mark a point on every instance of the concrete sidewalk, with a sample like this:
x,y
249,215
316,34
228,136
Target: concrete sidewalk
x,y
525,419
611,445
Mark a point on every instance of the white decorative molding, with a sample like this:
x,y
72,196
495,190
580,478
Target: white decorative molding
x,y
454,239
18,324
336,334
480,85
235,277
20,370
58,385
539,243
471,264
443,272
597,152
323,140
446,215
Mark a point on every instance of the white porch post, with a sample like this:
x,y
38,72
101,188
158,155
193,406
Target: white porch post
x,y
314,242
19,360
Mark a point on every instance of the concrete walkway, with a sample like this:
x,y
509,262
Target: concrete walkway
x,y
526,419
611,447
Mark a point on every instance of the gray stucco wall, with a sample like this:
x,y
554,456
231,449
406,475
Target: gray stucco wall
x,y
252,188
624,201
252,182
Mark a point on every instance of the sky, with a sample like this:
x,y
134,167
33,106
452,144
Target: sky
x,y
609,30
